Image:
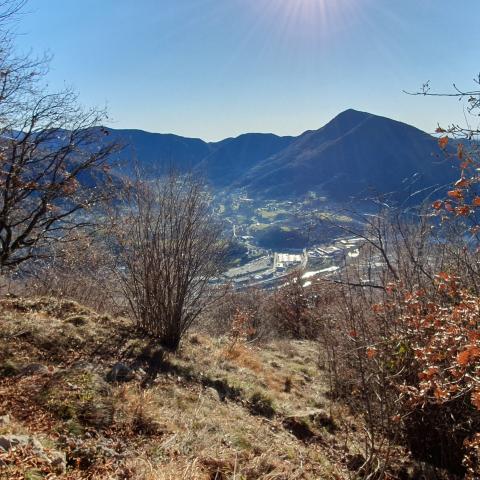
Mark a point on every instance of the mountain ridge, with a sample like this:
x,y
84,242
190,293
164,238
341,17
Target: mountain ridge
x,y
353,152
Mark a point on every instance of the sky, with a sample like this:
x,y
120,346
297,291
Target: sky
x,y
218,68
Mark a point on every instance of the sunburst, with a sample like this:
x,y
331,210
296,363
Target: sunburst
x,y
300,16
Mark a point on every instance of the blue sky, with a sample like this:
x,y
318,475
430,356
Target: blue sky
x,y
219,68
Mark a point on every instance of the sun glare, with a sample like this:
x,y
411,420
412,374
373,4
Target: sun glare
x,y
307,17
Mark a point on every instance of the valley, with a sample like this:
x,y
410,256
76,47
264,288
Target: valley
x,y
274,237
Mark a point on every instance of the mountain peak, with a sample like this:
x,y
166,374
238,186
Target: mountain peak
x,y
349,119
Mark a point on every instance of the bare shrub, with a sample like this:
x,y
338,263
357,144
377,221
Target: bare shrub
x,y
79,269
170,249
244,313
293,308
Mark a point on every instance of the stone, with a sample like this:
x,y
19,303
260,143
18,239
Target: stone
x,y
83,457
58,460
305,424
212,394
80,396
35,369
120,373
318,417
9,441
299,428
5,420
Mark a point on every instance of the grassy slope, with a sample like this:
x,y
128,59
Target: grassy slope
x,y
206,415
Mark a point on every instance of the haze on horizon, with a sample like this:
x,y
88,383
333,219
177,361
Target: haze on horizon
x,y
214,68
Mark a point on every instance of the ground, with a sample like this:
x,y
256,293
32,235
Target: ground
x,y
216,410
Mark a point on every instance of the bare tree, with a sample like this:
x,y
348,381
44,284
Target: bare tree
x,y
171,248
52,155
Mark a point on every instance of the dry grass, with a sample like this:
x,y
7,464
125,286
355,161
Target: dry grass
x,y
193,422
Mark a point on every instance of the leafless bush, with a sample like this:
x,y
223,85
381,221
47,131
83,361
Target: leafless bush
x,y
80,270
252,304
170,249
294,308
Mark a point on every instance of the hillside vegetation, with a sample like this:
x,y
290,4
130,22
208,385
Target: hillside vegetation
x,y
214,410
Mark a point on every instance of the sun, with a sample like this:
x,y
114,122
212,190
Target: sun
x,y
306,16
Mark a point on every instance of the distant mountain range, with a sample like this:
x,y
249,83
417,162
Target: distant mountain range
x,y
355,154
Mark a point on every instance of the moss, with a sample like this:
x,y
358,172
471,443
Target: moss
x,y
34,475
79,396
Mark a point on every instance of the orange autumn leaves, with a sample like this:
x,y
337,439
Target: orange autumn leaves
x,y
444,341
460,200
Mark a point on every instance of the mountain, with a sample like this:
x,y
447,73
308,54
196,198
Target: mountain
x,y
156,153
233,157
352,155
355,154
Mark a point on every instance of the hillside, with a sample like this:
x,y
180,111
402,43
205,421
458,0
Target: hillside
x,y
213,411
233,157
156,153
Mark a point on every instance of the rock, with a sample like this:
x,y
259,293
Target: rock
x,y
83,457
304,425
35,369
82,365
58,460
9,441
299,428
120,373
79,395
4,420
212,394
77,320
106,451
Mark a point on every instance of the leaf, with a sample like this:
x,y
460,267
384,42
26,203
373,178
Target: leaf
x,y
437,204
456,194
471,353
462,183
463,211
440,394
476,399
448,207
443,142
460,151
371,352
444,276
476,201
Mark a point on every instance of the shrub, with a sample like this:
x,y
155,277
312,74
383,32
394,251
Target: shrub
x,y
437,371
261,404
170,247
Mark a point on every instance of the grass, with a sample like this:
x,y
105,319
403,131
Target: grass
x,y
271,215
213,412
256,227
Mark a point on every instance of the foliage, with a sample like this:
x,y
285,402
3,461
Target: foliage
x,y
432,357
